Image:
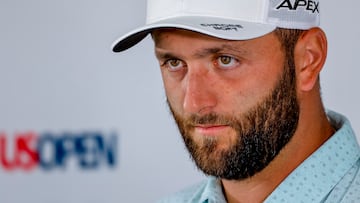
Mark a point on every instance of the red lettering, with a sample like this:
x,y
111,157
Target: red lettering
x,y
25,156
24,143
8,165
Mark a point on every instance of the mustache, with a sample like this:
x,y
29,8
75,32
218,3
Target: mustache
x,y
210,119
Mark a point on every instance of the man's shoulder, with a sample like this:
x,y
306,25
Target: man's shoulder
x,y
189,194
348,189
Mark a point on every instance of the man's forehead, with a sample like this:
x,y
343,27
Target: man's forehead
x,y
174,40
200,52
167,47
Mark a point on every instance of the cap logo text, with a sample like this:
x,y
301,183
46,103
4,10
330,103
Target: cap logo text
x,y
224,27
308,5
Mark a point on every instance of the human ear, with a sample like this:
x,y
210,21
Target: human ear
x,y
310,55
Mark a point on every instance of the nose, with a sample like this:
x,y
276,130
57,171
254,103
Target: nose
x,y
200,91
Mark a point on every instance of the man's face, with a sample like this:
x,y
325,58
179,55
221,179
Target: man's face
x,y
234,101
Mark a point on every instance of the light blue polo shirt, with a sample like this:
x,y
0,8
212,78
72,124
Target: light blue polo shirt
x,y
330,174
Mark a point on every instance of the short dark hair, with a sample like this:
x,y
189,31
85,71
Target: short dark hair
x,y
288,39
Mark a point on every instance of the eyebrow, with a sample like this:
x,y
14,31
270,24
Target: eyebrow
x,y
201,53
164,55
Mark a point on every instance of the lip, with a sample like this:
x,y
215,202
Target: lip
x,y
211,130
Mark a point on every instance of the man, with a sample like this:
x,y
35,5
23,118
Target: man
x,y
242,82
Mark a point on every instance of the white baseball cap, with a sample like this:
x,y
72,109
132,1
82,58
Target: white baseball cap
x,y
225,19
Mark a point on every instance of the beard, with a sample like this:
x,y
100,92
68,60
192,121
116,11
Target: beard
x,y
261,133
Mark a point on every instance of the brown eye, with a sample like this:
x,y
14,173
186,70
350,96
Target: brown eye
x,y
174,64
226,62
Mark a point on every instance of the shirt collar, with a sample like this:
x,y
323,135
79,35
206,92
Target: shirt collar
x,y
319,173
213,192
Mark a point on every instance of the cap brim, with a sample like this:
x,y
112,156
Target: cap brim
x,y
228,29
